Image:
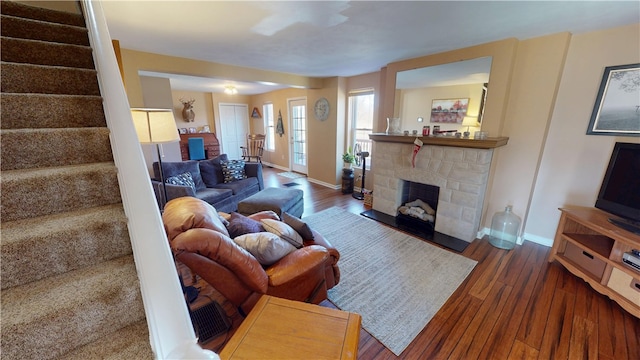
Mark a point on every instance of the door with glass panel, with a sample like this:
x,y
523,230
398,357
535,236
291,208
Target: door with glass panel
x,y
298,135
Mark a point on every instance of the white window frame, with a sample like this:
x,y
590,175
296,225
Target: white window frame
x,y
352,116
269,127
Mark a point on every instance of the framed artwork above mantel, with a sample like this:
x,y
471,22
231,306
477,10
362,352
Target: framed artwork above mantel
x,y
450,111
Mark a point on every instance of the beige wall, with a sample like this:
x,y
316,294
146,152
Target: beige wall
x,y
157,94
136,61
537,71
573,163
280,156
202,107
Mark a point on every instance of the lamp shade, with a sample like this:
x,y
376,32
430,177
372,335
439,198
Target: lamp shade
x,y
470,121
155,126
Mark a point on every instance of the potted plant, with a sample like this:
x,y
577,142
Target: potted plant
x,y
348,158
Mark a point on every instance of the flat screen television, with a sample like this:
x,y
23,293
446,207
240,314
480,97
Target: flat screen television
x,y
620,190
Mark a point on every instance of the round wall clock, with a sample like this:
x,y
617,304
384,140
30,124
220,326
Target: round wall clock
x,y
321,109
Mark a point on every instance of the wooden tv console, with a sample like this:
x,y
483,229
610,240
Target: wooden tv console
x,y
590,247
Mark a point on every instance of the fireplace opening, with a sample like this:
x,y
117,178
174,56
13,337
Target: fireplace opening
x,y
425,229
419,204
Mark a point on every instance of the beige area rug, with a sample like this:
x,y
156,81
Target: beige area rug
x,y
396,282
292,175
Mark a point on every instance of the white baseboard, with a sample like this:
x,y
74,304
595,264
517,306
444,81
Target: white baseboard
x,y
325,184
528,237
538,239
264,163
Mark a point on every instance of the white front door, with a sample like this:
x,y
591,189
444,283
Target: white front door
x,y
298,135
233,129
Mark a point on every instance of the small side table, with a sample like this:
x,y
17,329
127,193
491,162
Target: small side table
x,y
284,329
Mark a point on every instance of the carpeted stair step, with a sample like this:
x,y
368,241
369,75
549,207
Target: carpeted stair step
x,y
131,342
40,192
50,111
50,317
35,248
37,13
46,53
32,148
27,78
45,31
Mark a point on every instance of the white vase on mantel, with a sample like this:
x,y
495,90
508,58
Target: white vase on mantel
x,y
393,126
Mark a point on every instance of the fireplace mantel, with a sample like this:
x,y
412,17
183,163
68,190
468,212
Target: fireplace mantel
x,y
489,143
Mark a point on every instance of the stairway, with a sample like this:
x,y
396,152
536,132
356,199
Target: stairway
x,y
69,282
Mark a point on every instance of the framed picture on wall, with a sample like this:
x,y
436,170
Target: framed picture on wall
x,y
617,108
450,111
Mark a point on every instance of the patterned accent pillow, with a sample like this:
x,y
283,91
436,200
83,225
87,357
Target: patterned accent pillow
x,y
233,170
183,179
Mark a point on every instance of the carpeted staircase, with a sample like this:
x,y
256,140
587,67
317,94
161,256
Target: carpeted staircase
x,y
69,282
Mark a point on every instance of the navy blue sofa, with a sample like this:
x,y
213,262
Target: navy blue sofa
x,y
209,182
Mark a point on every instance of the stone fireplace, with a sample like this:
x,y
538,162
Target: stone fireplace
x,y
461,173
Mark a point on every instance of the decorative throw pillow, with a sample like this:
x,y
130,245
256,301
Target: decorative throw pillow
x,y
240,225
233,170
284,231
298,225
266,247
211,170
184,179
265,214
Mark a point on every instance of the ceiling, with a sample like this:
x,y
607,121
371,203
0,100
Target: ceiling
x,y
338,38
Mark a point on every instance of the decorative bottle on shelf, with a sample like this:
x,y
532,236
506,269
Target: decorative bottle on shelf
x,y
504,229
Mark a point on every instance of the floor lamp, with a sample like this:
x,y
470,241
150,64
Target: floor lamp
x,y
156,126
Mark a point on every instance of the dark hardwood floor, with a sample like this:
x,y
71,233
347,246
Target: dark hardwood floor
x,y
514,305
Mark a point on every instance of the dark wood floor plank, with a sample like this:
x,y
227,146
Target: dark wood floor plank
x,y
517,261
632,335
504,333
536,314
557,332
586,302
496,266
611,330
584,339
475,336
520,351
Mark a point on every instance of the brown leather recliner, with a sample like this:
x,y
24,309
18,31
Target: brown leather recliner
x,y
199,240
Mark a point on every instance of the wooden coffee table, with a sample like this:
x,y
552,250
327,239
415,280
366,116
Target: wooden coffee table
x,y
284,329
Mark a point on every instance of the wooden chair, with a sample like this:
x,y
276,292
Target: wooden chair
x,y
254,148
